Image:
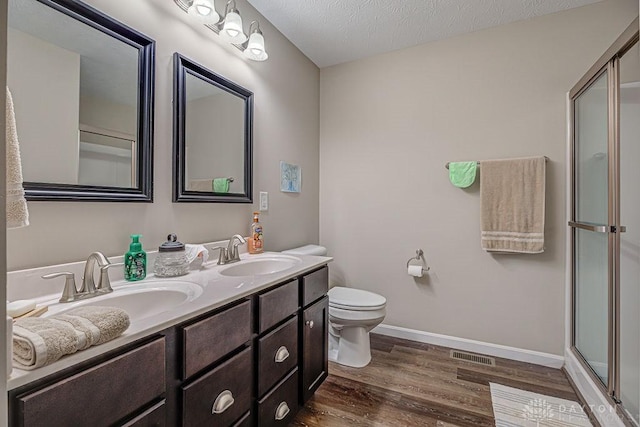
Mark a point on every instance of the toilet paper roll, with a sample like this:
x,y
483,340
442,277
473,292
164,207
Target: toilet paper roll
x,y
415,270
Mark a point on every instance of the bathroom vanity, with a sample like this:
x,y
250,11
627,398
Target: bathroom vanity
x,y
249,360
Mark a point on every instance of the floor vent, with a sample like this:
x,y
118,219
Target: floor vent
x,y
473,358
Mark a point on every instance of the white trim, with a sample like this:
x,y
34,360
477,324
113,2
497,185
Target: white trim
x,y
497,350
600,406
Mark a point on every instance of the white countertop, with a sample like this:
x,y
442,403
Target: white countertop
x,y
218,291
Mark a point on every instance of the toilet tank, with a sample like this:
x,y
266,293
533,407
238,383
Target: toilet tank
x,y
307,250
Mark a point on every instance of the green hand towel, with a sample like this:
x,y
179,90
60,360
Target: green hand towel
x,y
220,185
462,174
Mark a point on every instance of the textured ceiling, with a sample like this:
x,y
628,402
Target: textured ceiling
x,y
330,32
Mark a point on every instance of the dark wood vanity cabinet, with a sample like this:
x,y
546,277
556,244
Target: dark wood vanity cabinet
x,y
253,362
315,350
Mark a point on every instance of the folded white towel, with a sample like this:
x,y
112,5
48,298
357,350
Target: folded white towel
x,y
38,342
197,253
17,212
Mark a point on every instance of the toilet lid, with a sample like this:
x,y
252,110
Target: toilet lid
x,y
355,299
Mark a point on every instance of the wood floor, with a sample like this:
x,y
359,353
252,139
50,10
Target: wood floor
x,y
415,384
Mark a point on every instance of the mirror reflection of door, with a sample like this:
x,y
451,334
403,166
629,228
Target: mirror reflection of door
x,y
214,137
75,92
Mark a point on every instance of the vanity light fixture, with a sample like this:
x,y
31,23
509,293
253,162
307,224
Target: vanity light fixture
x,y
229,27
254,48
231,30
204,11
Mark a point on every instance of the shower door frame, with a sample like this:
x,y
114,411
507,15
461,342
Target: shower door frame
x,y
609,62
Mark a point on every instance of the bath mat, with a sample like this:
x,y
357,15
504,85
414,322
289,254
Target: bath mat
x,y
518,408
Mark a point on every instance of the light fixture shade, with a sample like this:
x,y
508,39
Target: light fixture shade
x,y
255,48
204,11
232,29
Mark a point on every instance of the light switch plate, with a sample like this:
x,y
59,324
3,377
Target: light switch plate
x,y
264,201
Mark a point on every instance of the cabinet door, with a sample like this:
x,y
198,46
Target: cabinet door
x,y
315,361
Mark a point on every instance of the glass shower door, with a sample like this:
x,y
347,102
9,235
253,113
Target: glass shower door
x,y
590,226
629,291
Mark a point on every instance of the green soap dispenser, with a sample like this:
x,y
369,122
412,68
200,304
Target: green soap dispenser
x,y
135,261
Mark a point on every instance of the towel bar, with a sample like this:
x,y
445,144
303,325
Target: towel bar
x,y
546,159
230,179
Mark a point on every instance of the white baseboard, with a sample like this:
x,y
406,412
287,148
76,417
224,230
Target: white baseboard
x,y
600,406
513,353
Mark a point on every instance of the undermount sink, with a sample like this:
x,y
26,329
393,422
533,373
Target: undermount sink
x,y
141,300
260,266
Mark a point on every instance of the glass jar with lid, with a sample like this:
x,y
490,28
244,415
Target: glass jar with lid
x,y
172,258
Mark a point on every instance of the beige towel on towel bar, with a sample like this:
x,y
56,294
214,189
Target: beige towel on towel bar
x,y
201,185
512,199
17,213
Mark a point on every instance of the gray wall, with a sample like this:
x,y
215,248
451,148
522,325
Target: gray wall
x,y
388,126
286,89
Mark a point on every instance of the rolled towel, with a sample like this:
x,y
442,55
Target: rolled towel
x,y
111,322
38,342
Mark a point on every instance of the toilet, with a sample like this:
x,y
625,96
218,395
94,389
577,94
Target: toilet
x,y
353,313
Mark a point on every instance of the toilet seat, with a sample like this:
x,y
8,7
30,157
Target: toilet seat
x,y
355,299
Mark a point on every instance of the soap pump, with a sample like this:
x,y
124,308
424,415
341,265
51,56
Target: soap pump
x,y
135,261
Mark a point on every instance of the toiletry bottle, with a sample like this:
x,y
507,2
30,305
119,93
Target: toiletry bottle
x,y
135,261
256,242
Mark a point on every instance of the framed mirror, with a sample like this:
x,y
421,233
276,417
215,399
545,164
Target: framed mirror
x,y
212,140
82,88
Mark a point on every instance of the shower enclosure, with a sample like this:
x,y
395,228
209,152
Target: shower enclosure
x,y
605,222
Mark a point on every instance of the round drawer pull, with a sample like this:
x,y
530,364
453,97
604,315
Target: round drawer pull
x,y
223,402
282,411
310,324
282,354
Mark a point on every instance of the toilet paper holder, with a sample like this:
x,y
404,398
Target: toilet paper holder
x,y
419,257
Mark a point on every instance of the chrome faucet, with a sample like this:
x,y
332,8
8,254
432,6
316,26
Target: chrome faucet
x,y
232,248
230,254
88,288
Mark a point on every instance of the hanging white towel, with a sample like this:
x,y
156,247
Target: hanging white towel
x,y
17,212
512,201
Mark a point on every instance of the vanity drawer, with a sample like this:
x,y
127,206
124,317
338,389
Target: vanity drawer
x,y
277,304
315,285
131,381
280,406
277,355
208,340
244,421
226,389
156,416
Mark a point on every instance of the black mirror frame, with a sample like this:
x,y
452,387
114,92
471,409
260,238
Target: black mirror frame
x,y
40,191
182,66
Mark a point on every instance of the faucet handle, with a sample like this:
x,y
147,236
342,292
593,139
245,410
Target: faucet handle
x,y
104,285
223,256
70,290
235,241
